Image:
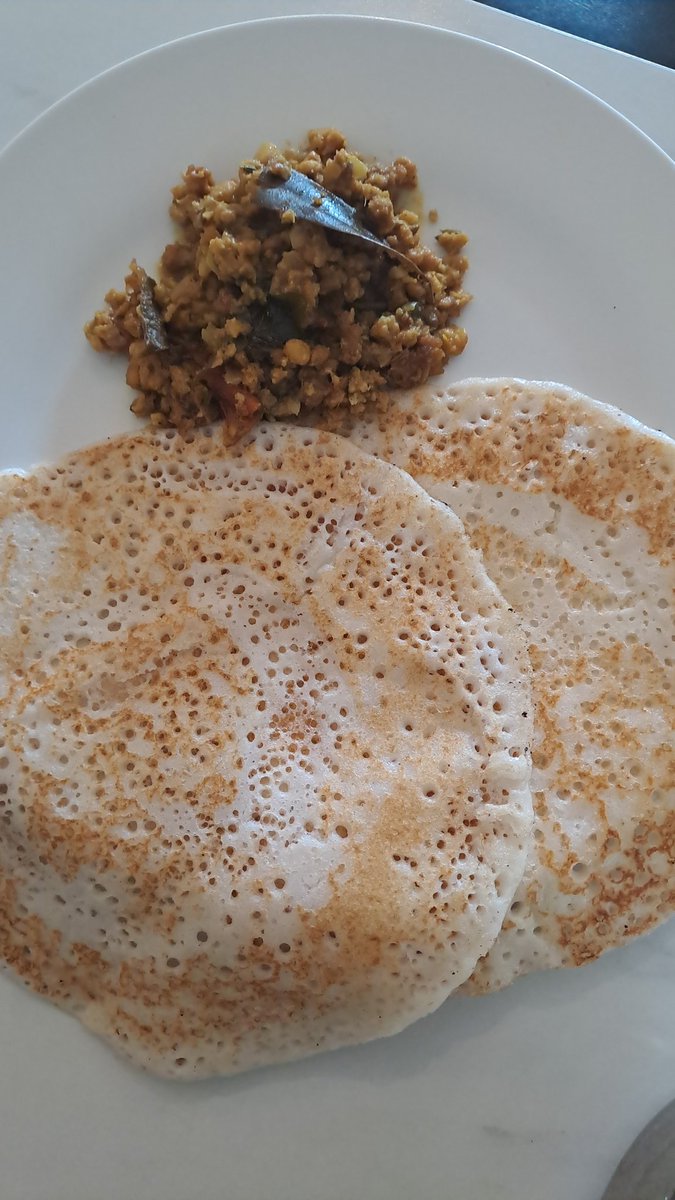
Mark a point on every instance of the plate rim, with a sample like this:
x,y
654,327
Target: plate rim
x,y
343,19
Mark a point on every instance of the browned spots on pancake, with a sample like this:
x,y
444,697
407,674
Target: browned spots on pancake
x,y
595,480
7,562
624,680
295,722
370,913
248,730
516,433
31,948
617,881
602,747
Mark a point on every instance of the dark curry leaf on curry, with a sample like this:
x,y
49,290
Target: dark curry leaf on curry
x,y
272,324
154,330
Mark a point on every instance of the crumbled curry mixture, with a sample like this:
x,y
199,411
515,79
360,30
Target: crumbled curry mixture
x,y
254,312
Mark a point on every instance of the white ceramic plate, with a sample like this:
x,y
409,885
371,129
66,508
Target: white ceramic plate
x,y
531,1093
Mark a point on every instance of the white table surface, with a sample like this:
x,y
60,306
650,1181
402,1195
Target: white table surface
x,y
49,47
